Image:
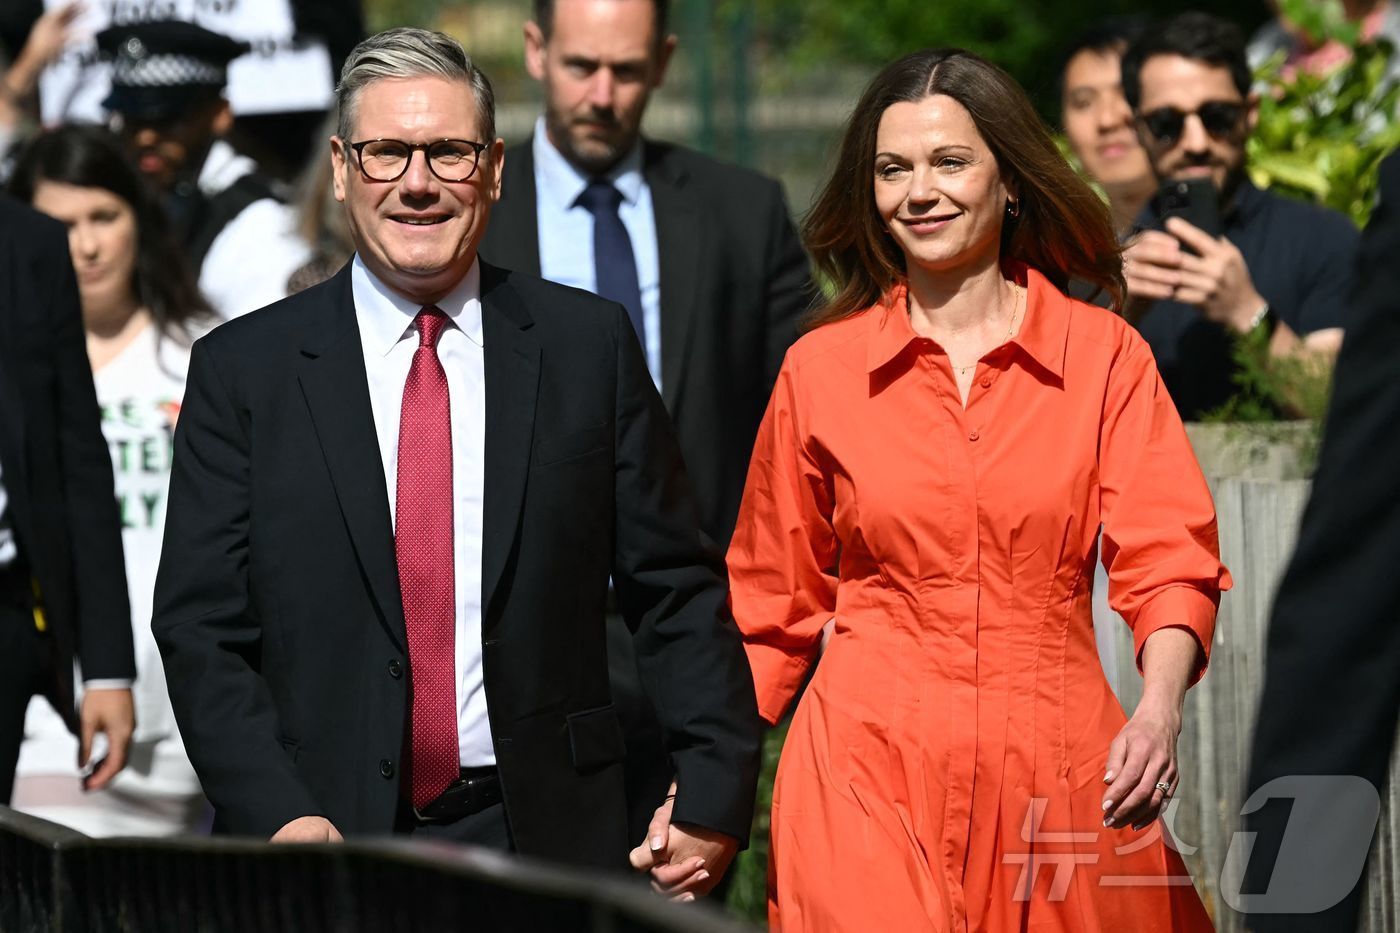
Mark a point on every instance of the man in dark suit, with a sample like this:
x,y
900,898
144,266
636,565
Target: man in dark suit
x,y
1332,672
396,502
719,278
702,254
62,583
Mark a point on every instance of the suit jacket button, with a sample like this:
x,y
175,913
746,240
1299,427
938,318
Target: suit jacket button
x,y
386,769
395,668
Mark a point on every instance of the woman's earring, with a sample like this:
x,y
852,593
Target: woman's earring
x,y
1013,208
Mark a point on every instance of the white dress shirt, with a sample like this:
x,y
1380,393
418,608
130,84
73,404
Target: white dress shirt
x,y
389,339
566,231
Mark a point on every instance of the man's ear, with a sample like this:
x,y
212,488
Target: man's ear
x,y
535,50
497,155
340,161
1251,115
663,58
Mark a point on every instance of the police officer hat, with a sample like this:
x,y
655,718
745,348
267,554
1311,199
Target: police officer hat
x,y
160,69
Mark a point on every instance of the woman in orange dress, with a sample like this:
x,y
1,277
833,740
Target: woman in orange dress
x,y
936,461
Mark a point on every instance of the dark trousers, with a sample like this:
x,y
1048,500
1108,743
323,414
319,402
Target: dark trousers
x,y
24,661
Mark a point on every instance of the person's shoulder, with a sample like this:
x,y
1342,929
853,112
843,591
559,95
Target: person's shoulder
x,y
1101,328
1312,223
707,171
275,323
842,341
548,303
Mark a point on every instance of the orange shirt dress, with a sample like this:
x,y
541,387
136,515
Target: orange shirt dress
x,y
944,770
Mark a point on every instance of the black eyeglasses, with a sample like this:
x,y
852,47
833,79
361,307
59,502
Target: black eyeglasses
x,y
388,159
1220,118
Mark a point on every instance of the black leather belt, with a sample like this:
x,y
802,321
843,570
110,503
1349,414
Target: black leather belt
x,y
474,791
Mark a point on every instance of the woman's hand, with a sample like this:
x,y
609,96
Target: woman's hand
x,y
1142,757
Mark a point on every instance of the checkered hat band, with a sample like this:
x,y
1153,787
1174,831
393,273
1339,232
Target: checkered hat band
x,y
166,71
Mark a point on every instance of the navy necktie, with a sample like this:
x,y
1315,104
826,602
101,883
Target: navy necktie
x,y
614,264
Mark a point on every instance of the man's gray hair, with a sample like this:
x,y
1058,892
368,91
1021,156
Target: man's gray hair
x,y
407,52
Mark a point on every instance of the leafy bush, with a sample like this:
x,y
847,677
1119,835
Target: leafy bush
x,y
1320,138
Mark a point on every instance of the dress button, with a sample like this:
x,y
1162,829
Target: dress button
x,y
973,435
395,668
386,769
986,382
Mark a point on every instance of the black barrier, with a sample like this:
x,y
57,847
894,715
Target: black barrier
x,y
56,880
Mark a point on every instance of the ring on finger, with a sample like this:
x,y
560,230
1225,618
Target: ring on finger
x,y
1164,787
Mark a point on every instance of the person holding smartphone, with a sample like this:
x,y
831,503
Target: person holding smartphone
x,y
1263,261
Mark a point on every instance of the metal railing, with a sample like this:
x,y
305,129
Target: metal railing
x,y
57,880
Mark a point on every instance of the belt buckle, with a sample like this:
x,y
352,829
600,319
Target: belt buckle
x,y
456,788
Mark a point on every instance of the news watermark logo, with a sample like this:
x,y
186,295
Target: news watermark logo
x,y
1320,858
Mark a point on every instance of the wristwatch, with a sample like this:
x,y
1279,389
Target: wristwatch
x,y
1258,318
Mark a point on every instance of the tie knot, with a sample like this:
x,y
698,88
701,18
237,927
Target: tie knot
x,y
600,196
431,320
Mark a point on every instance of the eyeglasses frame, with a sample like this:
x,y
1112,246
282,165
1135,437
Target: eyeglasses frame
x,y
1140,118
358,148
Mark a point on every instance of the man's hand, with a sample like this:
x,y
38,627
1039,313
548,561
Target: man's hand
x,y
113,713
1152,266
1216,280
308,829
684,860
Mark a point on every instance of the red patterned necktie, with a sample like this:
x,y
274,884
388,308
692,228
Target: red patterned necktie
x,y
423,544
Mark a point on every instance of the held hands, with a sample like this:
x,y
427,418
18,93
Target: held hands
x,y
1216,281
684,860
308,829
112,713
1141,756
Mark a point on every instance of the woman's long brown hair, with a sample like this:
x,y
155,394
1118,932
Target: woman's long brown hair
x,y
1063,228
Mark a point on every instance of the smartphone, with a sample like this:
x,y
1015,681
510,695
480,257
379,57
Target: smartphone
x,y
1195,201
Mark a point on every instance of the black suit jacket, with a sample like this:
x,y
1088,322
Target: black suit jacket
x,y
734,281
1332,673
57,473
278,610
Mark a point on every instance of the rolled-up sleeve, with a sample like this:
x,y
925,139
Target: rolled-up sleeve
x,y
783,556
1160,542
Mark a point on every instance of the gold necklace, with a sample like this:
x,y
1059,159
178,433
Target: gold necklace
x,y
1010,328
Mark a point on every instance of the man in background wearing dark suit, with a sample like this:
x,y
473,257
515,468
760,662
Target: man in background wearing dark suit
x,y
703,255
396,502
62,581
1332,672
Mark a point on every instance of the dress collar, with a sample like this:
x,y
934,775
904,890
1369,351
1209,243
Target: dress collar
x,y
1043,334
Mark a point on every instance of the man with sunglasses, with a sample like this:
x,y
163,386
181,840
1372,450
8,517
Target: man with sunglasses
x,y
167,101
396,503
1278,269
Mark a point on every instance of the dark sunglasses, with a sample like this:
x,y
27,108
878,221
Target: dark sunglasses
x,y
1220,118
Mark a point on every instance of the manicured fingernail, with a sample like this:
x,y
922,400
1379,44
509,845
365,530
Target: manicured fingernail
x,y
703,876
656,843
1107,776
1108,822
1108,803
699,863
687,897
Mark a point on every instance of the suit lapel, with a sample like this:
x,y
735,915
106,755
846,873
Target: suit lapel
x,y
332,377
512,382
513,234
680,244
